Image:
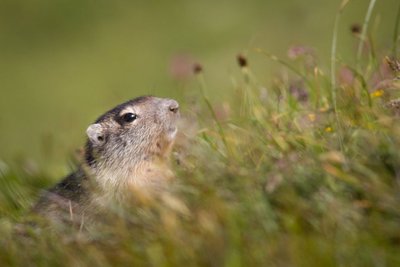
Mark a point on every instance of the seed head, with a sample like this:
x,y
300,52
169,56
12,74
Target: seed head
x,y
394,64
356,28
242,61
394,105
197,68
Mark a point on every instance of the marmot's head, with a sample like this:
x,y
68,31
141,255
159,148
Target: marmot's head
x,y
139,130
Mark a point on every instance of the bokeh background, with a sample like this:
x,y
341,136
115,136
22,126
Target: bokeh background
x,y
64,62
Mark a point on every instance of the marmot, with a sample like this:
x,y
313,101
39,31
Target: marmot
x,y
127,147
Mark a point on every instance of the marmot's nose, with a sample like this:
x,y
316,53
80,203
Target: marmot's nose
x,y
173,106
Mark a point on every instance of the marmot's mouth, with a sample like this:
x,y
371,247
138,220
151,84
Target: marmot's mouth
x,y
172,131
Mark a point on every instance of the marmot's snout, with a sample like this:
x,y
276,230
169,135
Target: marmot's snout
x,y
170,110
173,106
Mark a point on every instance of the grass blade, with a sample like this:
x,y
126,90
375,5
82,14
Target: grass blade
x,y
364,32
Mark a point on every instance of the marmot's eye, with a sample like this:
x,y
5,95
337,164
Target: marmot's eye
x,y
129,117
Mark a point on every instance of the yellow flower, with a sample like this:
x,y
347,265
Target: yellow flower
x,y
311,117
328,129
377,93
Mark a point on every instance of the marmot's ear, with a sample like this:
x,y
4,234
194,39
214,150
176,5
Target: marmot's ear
x,y
95,134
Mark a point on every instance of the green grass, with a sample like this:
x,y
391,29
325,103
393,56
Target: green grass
x,y
303,170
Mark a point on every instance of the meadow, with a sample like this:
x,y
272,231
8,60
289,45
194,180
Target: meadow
x,y
295,168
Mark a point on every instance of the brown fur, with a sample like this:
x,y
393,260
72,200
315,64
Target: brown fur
x,y
120,158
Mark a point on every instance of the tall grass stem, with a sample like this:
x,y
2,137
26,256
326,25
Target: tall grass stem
x,y
396,33
364,32
214,116
333,71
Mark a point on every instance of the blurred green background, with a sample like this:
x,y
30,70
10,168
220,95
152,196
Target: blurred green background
x,y
64,62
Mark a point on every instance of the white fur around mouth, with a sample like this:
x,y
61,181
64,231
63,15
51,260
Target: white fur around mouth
x,y
172,133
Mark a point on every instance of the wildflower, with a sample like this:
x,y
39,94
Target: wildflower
x,y
305,53
311,117
180,67
297,51
328,129
222,111
298,91
346,76
377,93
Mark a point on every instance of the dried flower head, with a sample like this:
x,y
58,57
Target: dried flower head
x,y
242,61
394,106
394,64
356,28
197,68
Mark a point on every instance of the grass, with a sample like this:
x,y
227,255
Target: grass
x,y
289,175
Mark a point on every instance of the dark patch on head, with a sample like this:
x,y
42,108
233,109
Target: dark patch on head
x,y
89,158
114,113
